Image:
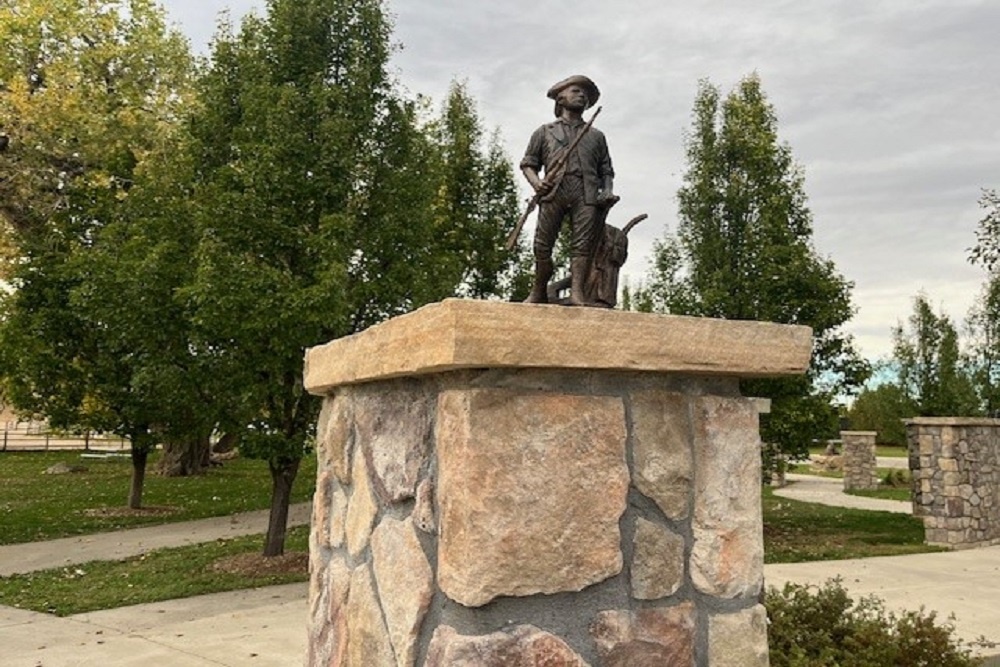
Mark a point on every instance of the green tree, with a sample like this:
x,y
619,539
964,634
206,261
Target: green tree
x,y
743,250
984,318
88,92
322,206
882,409
986,251
475,198
928,361
984,345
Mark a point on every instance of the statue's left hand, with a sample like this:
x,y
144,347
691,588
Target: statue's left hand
x,y
606,197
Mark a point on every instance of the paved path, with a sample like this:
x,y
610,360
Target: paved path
x,y
830,491
893,462
18,558
263,627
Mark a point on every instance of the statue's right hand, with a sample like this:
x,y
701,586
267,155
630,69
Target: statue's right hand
x,y
543,188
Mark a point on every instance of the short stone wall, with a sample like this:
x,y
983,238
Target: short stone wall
x,y
955,465
859,460
467,514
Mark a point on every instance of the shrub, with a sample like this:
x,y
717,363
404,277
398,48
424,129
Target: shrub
x,y
897,478
824,627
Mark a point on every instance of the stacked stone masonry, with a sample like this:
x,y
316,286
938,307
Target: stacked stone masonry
x,y
507,517
955,466
859,460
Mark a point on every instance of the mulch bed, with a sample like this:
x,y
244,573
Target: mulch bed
x,y
255,565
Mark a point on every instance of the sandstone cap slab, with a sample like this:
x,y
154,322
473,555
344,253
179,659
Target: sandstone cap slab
x,y
459,334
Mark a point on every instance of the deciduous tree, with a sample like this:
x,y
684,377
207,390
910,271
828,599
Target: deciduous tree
x,y
930,369
324,205
882,409
88,92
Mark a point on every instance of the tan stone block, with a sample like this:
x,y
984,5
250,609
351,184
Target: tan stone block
x,y
657,562
525,646
335,435
405,584
651,637
738,640
338,516
423,508
661,429
319,607
727,558
368,641
339,583
361,509
320,520
393,424
457,334
531,487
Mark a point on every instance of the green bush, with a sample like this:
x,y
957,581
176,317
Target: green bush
x,y
897,478
824,627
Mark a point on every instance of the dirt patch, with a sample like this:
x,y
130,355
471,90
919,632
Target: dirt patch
x,y
255,565
121,512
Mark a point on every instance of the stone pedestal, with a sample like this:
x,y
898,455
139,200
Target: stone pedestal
x,y
508,484
859,460
955,466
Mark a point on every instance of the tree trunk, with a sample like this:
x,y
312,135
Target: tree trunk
x,y
282,477
140,454
226,443
183,459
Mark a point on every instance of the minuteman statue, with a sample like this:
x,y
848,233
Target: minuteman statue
x,y
578,186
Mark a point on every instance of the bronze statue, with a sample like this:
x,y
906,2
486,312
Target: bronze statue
x,y
578,183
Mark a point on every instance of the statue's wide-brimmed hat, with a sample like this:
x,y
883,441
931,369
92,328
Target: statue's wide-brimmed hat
x,y
580,80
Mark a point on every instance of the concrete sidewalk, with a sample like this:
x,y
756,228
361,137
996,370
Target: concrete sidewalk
x,y
264,627
830,491
32,556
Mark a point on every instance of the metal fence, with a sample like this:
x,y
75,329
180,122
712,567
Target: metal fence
x,y
25,438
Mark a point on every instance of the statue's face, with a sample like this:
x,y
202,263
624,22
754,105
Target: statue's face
x,y
574,97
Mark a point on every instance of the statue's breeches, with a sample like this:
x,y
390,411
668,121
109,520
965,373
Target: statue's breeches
x,y
586,220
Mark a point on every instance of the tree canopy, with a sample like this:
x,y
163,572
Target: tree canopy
x,y
743,250
89,94
180,236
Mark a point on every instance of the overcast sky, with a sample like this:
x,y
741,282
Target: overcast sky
x,y
890,106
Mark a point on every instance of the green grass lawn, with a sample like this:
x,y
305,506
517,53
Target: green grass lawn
x,y
35,506
164,574
885,493
795,532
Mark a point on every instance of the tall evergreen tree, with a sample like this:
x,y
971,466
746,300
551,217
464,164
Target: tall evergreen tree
x,y
743,250
476,200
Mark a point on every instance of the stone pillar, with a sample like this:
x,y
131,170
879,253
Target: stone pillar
x,y
858,455
507,484
955,466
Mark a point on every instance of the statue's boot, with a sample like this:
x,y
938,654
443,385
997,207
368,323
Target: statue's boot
x,y
543,273
578,268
